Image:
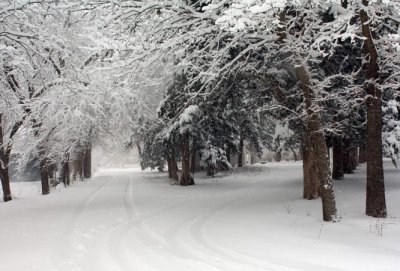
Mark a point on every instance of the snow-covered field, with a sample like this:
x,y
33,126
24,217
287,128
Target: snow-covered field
x,y
254,219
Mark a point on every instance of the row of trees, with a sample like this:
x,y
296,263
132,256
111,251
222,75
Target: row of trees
x,y
75,73
57,98
326,67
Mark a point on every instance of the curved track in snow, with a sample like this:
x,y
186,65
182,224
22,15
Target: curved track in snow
x,y
127,220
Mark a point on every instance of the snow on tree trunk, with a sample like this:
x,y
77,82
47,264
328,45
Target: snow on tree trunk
x,y
375,198
337,159
186,178
318,143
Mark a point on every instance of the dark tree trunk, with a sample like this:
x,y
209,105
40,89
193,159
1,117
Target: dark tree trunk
x,y
4,162
310,178
76,167
240,153
362,155
193,158
139,150
79,167
172,166
278,156
64,173
210,170
169,167
375,199
347,161
5,183
44,176
294,154
320,151
354,157
87,163
228,154
337,159
186,178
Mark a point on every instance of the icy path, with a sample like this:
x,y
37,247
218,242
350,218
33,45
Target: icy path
x,y
252,220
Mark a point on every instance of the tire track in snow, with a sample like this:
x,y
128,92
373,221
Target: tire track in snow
x,y
68,253
84,246
152,245
197,229
223,256
198,226
180,235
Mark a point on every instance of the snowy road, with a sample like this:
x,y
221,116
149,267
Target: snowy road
x,y
252,220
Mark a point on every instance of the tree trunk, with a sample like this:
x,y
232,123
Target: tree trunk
x,y
64,173
4,162
186,178
337,159
278,156
294,154
5,183
240,153
193,158
317,139
44,176
169,167
354,157
375,198
87,163
79,167
75,167
310,178
347,161
362,155
228,154
139,150
172,166
210,170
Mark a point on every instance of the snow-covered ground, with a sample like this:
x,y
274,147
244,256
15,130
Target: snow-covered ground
x,y
254,219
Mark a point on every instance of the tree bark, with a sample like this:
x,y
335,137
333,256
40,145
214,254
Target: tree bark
x,y
294,154
5,182
347,160
375,198
318,143
64,173
278,156
4,162
241,146
362,155
186,178
44,176
193,158
172,166
310,178
87,163
75,167
337,159
228,154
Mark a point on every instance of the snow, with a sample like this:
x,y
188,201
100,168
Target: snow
x,y
253,219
